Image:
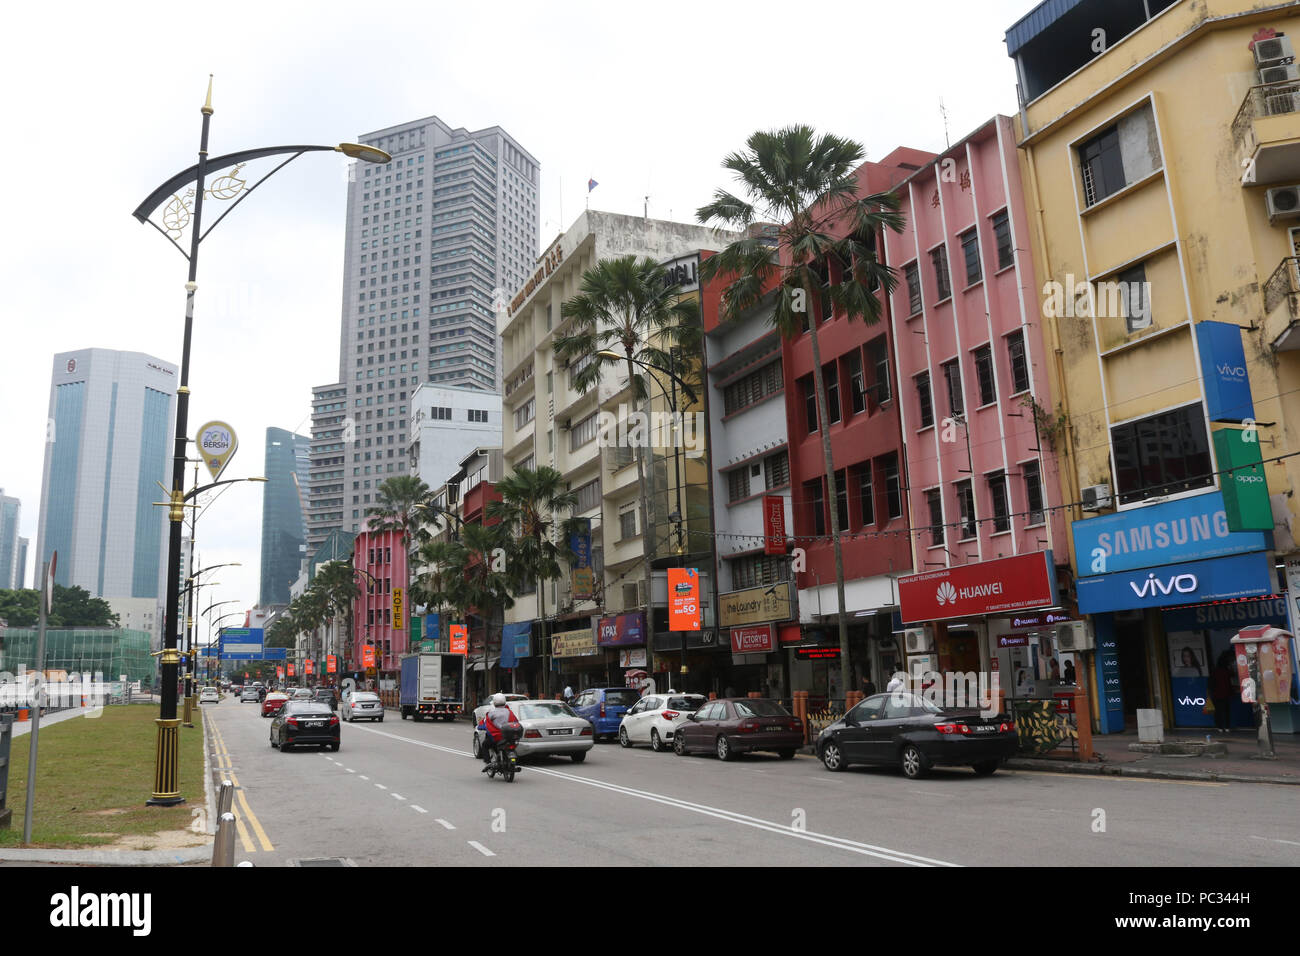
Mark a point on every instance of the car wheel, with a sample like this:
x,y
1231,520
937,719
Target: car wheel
x,y
403,713
833,757
986,768
656,742
334,748
723,748
623,739
380,719
478,748
786,754
285,748
679,744
914,762
273,745
578,758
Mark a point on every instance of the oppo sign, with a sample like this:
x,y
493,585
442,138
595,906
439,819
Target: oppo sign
x,y
1237,576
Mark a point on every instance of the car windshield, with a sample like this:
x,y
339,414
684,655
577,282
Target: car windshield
x,y
365,697
306,707
540,710
621,698
759,708
685,703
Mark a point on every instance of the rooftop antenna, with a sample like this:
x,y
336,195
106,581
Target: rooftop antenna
x,y
645,208
943,111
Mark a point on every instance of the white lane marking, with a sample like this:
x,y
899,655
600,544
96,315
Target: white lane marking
x,y
363,777
397,796
825,839
481,848
446,824
417,809
349,770
381,786
928,793
1272,840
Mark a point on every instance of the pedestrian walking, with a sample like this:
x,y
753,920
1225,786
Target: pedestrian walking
x,y
896,685
1223,684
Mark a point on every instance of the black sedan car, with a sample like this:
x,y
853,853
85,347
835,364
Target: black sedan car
x,y
305,723
916,734
739,725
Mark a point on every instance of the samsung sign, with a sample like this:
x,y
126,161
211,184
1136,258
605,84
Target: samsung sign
x,y
1239,576
1188,529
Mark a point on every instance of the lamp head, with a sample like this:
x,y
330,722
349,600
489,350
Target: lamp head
x,y
367,154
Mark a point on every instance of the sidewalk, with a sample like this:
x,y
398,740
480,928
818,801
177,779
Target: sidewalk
x,y
1237,765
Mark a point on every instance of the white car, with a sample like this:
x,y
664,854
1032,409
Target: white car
x,y
550,728
363,704
210,695
653,719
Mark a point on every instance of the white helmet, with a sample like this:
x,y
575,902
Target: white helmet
x,y
498,700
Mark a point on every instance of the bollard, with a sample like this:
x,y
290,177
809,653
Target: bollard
x,y
223,847
225,798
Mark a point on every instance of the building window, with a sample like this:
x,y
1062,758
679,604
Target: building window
x,y
752,387
585,431
1033,491
878,353
627,525
776,470
998,496
478,415
970,250
966,507
588,497
984,375
1102,166
1134,298
1162,454
862,489
1002,236
939,262
952,375
857,386
806,384
923,399
525,413
1019,363
757,570
738,483
934,503
913,276
814,493
842,499
831,379
893,486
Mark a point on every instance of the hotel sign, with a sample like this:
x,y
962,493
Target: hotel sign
x,y
760,605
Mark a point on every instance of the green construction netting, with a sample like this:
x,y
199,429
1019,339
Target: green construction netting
x,y
109,651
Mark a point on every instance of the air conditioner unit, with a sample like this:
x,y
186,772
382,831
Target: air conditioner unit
x,y
1283,203
1280,104
918,640
1272,51
1096,497
1073,636
1282,73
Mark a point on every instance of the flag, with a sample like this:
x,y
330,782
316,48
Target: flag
x,y
591,184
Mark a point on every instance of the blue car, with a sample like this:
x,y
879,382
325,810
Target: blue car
x,y
605,707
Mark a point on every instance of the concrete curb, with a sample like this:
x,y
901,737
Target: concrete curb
x,y
1111,770
195,854
209,791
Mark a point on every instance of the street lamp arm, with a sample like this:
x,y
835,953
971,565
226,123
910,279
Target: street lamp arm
x,y
229,481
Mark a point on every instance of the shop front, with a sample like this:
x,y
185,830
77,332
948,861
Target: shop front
x,y
622,641
756,624
578,660
516,658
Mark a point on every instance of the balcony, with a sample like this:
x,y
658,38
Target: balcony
x,y
1282,296
1266,134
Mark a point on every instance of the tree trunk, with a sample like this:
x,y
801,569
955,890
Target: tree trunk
x,y
647,543
546,642
832,501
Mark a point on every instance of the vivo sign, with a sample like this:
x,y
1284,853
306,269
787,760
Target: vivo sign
x,y
1223,369
1239,576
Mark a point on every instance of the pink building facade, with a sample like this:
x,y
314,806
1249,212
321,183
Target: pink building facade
x,y
969,352
381,555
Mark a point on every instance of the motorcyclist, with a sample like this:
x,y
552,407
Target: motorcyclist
x,y
497,717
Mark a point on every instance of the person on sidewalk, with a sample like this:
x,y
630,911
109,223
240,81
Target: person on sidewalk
x,y
1223,684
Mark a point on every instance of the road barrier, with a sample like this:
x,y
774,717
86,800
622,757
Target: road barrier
x,y
223,848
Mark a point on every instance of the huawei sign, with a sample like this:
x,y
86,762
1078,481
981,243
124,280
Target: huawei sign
x,y
1006,585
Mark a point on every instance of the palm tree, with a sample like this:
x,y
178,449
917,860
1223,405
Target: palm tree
x,y
627,310
826,254
337,582
401,508
529,515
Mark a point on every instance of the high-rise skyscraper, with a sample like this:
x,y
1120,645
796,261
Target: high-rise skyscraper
x,y
434,238
20,571
111,425
284,528
10,568
331,429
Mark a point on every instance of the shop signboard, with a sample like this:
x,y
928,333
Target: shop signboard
x,y
1187,529
515,643
1046,619
759,605
398,606
432,627
582,577
752,640
1223,368
458,636
817,653
632,657
987,587
1238,576
579,643
584,583
621,630
773,524
1244,487
683,599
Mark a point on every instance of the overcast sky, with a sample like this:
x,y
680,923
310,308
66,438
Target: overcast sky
x,y
101,105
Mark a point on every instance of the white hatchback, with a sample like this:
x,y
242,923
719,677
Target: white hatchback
x,y
209,695
653,719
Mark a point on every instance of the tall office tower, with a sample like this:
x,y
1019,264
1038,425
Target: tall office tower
x,y
109,445
284,526
331,430
434,239
20,570
10,568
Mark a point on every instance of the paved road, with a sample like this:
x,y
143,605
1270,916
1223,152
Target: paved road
x,y
402,793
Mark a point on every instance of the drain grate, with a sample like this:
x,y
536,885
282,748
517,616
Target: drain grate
x,y
324,861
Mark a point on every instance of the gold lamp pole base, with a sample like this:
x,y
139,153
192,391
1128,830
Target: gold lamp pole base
x,y
189,712
165,790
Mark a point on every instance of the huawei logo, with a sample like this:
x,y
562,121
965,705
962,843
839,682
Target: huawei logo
x,y
946,594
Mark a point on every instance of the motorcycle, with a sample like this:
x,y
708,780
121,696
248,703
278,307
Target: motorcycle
x,y
503,760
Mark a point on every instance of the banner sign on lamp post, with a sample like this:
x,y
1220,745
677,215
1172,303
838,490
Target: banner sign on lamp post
x,y
218,444
683,599
774,524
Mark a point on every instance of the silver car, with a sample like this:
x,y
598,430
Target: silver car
x,y
550,728
363,705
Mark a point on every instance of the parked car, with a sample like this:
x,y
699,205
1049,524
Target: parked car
x,y
209,695
301,693
654,719
363,705
551,728
304,723
739,725
916,734
605,707
249,693
273,703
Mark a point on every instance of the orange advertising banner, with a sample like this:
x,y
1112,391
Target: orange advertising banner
x,y
368,656
459,639
279,673
683,599
290,670
308,667
331,664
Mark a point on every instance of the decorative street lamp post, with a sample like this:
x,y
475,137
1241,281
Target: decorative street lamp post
x,y
174,197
